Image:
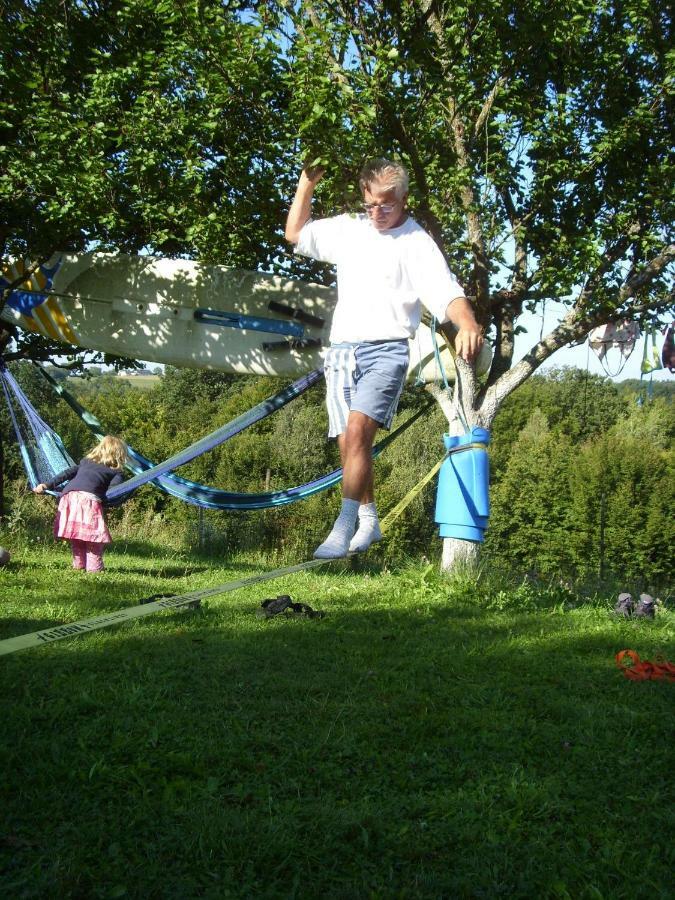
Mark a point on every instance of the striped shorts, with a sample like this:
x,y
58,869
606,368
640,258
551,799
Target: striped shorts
x,y
367,378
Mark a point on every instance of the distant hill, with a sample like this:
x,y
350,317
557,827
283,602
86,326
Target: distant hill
x,y
637,386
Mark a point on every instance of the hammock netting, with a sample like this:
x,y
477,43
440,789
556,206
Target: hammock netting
x,y
45,456
42,450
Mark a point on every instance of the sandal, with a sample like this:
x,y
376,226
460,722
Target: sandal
x,y
274,606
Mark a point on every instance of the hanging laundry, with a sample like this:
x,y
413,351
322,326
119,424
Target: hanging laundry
x,y
668,349
651,361
621,336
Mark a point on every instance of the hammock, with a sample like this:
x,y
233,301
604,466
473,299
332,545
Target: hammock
x,y
190,491
43,456
145,470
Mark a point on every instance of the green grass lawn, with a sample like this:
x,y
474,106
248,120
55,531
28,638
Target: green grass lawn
x,y
420,740
144,382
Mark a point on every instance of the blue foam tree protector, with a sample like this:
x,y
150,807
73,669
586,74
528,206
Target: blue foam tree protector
x,y
462,496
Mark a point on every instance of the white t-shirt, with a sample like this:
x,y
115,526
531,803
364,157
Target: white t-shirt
x,y
382,276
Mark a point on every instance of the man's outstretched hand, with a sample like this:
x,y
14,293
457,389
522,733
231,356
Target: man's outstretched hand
x,y
314,169
468,343
469,338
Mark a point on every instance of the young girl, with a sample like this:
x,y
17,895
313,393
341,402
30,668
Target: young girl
x,y
80,517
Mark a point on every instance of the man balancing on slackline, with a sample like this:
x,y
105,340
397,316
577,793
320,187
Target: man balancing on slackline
x,y
387,265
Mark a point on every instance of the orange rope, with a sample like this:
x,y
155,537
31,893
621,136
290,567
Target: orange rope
x,y
644,670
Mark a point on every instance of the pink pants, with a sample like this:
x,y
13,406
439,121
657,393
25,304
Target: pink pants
x,y
87,555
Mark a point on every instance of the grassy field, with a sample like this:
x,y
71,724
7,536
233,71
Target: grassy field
x,y
424,738
145,382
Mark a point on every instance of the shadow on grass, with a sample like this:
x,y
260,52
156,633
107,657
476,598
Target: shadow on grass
x,y
398,747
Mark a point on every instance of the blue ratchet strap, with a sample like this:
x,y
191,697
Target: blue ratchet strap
x,y
252,323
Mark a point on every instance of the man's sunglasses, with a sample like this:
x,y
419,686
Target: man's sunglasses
x,y
384,208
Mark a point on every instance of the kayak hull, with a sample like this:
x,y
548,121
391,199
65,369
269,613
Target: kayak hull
x,y
187,314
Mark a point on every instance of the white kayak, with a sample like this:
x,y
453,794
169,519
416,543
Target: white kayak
x,y
183,313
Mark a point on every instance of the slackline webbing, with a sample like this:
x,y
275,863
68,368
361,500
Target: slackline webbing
x,y
84,626
409,497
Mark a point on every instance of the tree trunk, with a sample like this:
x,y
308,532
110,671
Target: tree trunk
x,y
459,554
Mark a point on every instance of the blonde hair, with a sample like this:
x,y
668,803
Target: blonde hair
x,y
110,451
389,172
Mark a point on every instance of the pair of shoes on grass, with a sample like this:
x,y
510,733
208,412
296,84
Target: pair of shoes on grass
x,y
275,606
646,608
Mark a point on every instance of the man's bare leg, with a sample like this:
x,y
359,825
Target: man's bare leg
x,y
359,476
356,450
356,445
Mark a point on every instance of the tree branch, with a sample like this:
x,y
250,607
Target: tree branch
x,y
487,106
645,276
410,148
575,326
506,306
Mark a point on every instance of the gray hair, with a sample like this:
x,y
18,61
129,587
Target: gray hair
x,y
390,173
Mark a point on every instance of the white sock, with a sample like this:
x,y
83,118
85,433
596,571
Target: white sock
x,y
368,531
337,542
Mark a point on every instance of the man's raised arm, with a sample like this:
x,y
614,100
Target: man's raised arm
x,y
301,207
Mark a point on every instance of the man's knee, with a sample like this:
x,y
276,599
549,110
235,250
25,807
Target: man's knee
x,y
360,433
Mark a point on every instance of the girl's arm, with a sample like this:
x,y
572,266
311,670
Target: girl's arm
x,y
66,475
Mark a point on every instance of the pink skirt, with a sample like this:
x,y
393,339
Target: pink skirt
x,y
80,518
